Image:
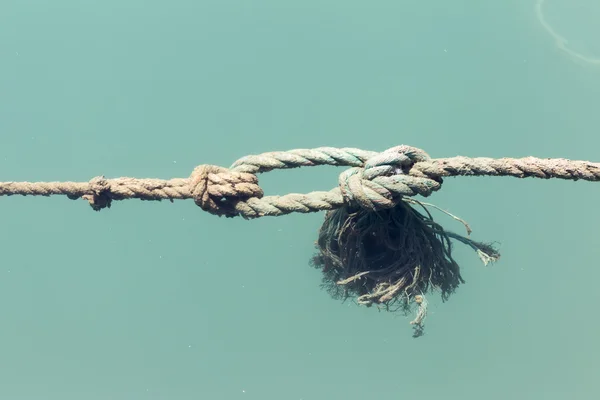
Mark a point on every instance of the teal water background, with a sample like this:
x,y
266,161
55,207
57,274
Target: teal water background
x,y
152,300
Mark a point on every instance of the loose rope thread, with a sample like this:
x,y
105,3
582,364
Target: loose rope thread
x,y
375,181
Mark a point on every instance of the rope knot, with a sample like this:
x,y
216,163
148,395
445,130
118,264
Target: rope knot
x,y
218,190
384,178
99,197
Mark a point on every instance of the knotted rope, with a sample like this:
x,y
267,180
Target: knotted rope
x,y
373,244
375,181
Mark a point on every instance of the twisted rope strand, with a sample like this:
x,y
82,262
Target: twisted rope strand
x,y
374,181
544,168
344,157
120,188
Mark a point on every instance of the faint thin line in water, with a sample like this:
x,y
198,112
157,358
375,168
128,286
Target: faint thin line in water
x,y
560,41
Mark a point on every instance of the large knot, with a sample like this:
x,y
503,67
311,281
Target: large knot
x,y
384,179
218,190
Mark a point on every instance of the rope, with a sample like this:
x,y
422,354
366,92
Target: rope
x,y
374,181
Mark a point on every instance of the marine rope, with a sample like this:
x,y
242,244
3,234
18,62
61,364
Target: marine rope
x,y
375,181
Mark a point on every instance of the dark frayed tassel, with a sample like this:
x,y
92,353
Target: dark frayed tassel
x,y
390,258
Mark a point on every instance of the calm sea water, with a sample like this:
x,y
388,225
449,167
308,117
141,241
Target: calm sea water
x,y
153,300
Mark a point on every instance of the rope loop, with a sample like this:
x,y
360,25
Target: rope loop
x,y
384,178
217,190
375,181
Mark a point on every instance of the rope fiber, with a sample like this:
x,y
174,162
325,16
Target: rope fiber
x,y
375,181
373,246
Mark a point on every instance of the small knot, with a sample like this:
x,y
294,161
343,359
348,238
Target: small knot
x,y
384,179
100,196
218,190
399,159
